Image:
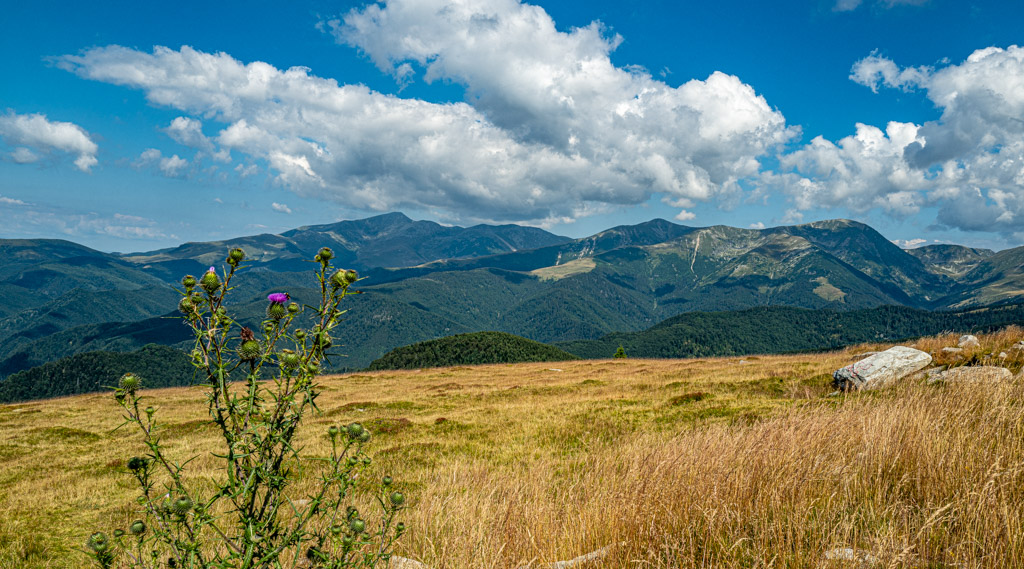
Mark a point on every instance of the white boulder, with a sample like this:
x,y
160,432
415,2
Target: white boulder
x,y
881,369
968,341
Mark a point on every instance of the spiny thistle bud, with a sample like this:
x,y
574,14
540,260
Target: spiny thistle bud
x,y
336,530
348,541
186,306
138,527
397,498
210,281
300,334
249,350
118,533
351,276
326,254
366,460
293,307
338,279
357,526
323,340
289,359
235,256
399,528
129,382
181,506
354,430
386,481
150,411
189,282
352,461
268,327
137,463
364,437
98,542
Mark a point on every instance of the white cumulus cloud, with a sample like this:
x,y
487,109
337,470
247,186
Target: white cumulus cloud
x,y
909,243
11,201
874,71
35,133
850,5
189,132
969,164
550,128
280,207
170,166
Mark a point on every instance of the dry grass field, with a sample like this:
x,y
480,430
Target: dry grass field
x,y
730,462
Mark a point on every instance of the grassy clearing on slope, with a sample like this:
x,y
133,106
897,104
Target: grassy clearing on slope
x,y
722,462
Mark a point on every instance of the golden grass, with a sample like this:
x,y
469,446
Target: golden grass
x,y
568,269
723,462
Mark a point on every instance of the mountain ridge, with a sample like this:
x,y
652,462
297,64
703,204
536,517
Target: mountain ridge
x,y
537,285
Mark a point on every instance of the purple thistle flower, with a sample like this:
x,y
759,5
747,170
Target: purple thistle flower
x,y
211,270
278,297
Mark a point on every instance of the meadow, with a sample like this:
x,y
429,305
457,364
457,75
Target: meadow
x,y
721,462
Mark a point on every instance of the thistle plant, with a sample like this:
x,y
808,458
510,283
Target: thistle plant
x,y
250,515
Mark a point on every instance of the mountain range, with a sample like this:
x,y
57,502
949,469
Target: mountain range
x,y
425,280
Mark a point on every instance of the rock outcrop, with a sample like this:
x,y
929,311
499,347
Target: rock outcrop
x,y
881,369
972,374
968,341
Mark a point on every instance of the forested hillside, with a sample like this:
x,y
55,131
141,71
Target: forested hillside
x,y
158,366
783,329
470,349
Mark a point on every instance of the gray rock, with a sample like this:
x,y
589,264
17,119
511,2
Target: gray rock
x,y
881,369
848,555
1003,355
972,374
397,562
968,341
1018,347
926,373
586,558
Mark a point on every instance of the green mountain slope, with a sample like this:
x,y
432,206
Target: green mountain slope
x,y
36,271
860,246
998,278
63,299
954,261
470,349
80,307
158,366
780,329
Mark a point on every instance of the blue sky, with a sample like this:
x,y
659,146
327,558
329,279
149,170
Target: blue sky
x,y
130,126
